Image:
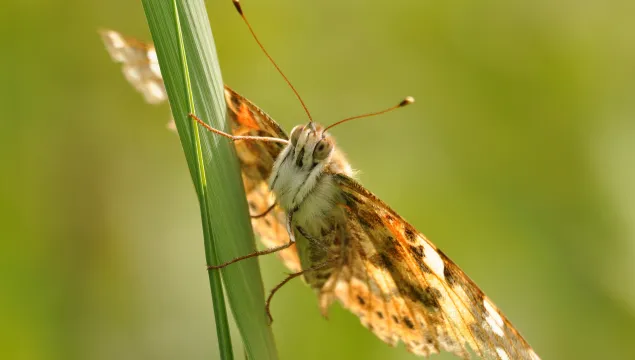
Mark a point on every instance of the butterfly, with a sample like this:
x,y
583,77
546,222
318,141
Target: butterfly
x,y
348,244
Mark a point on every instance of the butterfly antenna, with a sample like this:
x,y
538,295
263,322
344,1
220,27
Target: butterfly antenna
x,y
407,101
251,30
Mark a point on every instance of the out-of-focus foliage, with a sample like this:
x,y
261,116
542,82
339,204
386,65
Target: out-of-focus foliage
x,y
517,160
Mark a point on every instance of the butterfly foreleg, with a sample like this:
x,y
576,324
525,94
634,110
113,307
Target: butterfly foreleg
x,y
237,137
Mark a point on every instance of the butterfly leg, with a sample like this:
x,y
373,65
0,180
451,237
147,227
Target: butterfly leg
x,y
262,252
263,214
237,137
315,241
289,278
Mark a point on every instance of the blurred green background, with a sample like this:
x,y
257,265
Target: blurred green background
x,y
517,160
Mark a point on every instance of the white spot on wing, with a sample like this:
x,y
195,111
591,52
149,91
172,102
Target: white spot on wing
x,y
502,354
152,55
155,69
493,318
116,40
432,259
154,92
132,74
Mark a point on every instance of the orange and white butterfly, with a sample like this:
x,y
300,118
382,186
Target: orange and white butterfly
x,y
349,245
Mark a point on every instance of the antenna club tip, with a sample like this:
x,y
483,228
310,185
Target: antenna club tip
x,y
237,6
407,101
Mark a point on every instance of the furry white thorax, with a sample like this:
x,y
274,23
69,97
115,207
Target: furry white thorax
x,y
299,181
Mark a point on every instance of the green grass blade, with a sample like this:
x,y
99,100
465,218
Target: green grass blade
x,y
190,69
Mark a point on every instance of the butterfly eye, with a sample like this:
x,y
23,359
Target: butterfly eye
x,y
322,150
295,134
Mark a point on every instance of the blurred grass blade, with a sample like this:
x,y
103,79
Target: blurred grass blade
x,y
194,84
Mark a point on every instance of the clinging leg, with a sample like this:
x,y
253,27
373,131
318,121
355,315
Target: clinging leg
x,y
262,252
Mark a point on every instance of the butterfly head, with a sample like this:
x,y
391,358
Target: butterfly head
x,y
299,170
311,145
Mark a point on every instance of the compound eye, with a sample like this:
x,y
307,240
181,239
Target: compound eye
x,y
322,150
295,134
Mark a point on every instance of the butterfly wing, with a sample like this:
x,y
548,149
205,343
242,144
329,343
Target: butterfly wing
x,y
256,161
139,62
140,66
403,288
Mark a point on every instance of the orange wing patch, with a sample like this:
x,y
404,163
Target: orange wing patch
x,y
245,118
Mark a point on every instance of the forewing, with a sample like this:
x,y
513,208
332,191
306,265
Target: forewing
x,y
256,161
141,68
403,288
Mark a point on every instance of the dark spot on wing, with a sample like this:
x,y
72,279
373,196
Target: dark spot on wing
x,y
410,234
352,200
424,267
478,332
385,262
480,300
418,293
235,101
361,300
264,172
432,298
380,315
417,250
363,221
395,319
368,219
447,273
419,255
427,296
408,323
